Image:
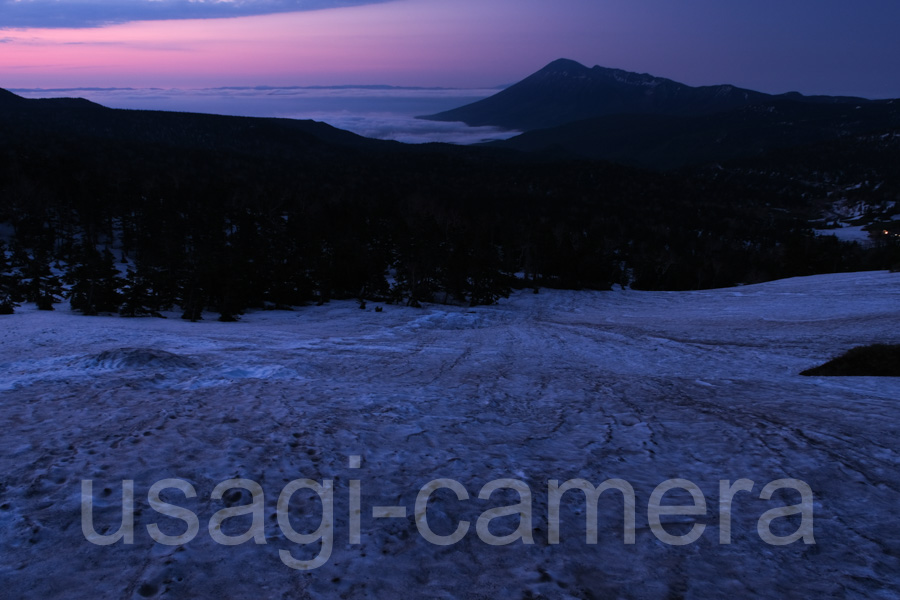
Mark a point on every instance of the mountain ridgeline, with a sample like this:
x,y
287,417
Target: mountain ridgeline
x,y
567,109
565,91
140,212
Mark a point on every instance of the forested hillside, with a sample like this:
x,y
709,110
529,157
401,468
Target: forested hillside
x,y
138,212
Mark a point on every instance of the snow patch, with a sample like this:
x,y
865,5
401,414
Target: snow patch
x,y
140,358
448,321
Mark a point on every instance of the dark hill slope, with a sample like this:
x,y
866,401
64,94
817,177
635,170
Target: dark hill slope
x,y
666,141
79,120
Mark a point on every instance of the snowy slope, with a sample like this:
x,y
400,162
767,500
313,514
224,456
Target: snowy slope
x,y
639,386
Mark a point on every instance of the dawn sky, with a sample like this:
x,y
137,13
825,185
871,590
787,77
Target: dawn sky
x,y
813,46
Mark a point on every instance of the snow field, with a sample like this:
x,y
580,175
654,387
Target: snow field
x,y
638,386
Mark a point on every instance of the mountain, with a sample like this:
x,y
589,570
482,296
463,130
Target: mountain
x,y
673,141
9,99
566,91
71,118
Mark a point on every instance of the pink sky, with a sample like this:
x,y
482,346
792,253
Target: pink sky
x,y
813,46
411,42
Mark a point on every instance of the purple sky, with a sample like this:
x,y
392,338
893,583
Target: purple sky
x,y
812,46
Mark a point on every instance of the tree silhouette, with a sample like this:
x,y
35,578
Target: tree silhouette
x,y
94,281
9,283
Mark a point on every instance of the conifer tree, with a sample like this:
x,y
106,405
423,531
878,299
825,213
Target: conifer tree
x,y
138,296
192,295
95,281
39,284
9,284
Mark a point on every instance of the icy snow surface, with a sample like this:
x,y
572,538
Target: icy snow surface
x,y
639,386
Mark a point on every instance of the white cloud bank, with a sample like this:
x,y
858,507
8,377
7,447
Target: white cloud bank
x,y
381,112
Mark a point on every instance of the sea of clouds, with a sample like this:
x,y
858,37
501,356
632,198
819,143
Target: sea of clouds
x,y
382,112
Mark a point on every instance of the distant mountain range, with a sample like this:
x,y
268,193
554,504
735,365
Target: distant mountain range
x,y
225,213
567,109
565,91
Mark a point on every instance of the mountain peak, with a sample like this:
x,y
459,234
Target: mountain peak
x,y
565,91
567,67
564,65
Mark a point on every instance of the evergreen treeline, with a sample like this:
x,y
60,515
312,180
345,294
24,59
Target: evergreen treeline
x,y
135,224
